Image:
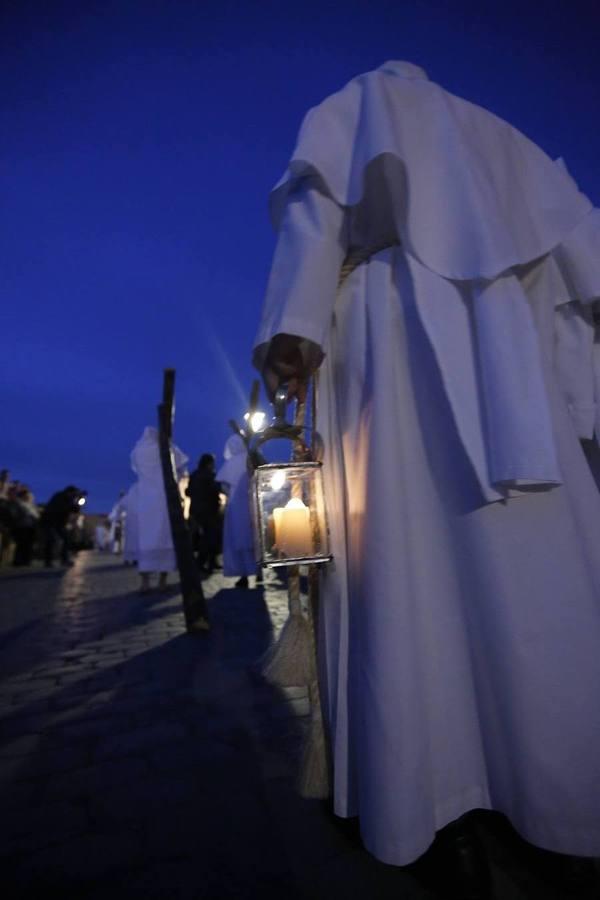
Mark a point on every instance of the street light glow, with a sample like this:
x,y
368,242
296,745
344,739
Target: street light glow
x,y
256,421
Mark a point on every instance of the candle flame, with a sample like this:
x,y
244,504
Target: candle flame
x,y
295,503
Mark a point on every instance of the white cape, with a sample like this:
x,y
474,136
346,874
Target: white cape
x,y
470,195
473,203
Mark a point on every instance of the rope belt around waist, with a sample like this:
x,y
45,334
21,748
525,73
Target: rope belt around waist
x,y
357,256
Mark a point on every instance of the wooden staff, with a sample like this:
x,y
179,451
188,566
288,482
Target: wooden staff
x,y
315,776
194,604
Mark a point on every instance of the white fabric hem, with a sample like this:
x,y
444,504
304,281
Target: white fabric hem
x,y
394,855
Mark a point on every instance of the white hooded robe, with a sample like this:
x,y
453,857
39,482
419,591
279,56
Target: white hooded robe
x,y
130,542
155,552
238,540
460,619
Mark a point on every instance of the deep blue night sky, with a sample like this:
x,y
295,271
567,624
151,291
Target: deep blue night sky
x,y
139,141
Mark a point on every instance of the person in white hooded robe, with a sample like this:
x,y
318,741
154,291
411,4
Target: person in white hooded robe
x,y
443,269
101,536
130,537
116,518
155,551
238,541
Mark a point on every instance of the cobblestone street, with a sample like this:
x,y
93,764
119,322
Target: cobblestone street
x,y
138,761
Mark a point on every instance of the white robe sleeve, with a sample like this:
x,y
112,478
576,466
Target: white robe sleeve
x,y
304,275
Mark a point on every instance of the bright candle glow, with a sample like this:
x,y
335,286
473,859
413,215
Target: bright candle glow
x,y
278,480
292,529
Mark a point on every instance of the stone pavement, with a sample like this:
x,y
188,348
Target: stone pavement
x,y
137,761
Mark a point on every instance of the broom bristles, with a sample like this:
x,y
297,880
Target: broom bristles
x,y
290,662
314,781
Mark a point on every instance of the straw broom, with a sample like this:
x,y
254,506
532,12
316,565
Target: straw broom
x,y
292,661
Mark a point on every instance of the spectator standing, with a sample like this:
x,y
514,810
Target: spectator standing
x,y
205,512
26,516
4,483
6,517
54,521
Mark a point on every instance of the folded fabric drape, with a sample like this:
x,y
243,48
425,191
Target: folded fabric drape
x,y
471,195
395,159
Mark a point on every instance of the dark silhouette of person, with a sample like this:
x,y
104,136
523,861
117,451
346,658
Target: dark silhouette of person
x,y
54,521
205,512
26,517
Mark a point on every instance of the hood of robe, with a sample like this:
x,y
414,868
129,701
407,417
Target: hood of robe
x,y
471,196
145,456
234,445
234,467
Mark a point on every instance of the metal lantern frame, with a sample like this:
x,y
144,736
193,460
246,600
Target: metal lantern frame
x,y
307,460
317,514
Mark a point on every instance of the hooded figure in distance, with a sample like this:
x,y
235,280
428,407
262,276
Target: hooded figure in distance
x,y
238,541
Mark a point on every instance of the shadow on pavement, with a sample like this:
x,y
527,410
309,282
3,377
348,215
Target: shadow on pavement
x,y
144,779
161,765
24,574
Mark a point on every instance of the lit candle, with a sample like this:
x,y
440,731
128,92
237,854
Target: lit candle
x,y
292,529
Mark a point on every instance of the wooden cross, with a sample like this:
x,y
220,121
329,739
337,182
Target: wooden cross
x,y
194,604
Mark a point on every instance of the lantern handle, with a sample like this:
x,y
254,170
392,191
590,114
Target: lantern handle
x,y
280,406
311,449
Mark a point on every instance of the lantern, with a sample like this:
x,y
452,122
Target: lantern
x,y
287,499
289,514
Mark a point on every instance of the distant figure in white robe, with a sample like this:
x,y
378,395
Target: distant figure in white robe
x,y
155,552
101,536
460,644
238,542
116,517
130,539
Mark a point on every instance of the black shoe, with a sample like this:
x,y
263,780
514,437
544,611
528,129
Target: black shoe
x,y
463,861
571,876
242,582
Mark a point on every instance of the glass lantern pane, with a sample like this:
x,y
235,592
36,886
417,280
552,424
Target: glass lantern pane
x,y
289,510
